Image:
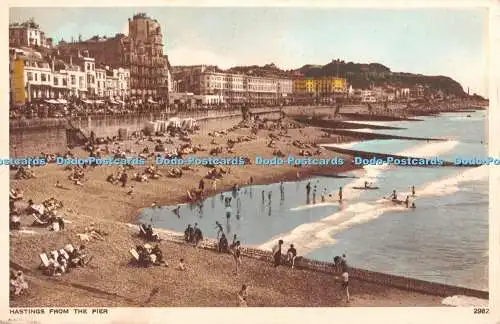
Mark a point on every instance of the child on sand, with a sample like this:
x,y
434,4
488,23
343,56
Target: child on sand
x,y
242,296
181,266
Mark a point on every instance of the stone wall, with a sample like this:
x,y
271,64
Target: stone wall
x,y
30,137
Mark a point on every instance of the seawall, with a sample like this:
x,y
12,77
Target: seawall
x,y
405,283
30,137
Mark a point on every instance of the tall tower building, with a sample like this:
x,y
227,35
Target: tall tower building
x,y
144,57
141,51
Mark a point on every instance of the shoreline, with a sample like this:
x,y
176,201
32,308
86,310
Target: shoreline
x,y
281,175
111,209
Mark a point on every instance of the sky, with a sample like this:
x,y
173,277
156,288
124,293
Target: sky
x,y
451,42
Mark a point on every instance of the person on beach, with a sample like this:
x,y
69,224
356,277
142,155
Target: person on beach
x,y
181,266
308,188
238,207
123,179
263,197
177,211
242,296
251,180
223,245
198,236
340,194
291,255
219,229
277,253
227,201
394,195
323,195
234,240
413,191
366,184
345,277
407,201
269,196
314,194
188,234
236,252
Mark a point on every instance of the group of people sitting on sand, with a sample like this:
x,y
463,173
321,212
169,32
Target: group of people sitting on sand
x,y
25,172
46,214
290,257
147,255
193,235
18,285
146,232
77,176
62,261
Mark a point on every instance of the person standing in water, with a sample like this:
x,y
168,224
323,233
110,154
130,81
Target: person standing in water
x,y
407,201
308,188
340,194
214,185
323,194
219,229
394,195
269,196
413,191
314,194
282,190
263,197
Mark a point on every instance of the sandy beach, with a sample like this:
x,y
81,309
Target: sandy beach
x,y
209,281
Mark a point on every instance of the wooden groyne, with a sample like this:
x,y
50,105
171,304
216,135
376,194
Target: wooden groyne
x,y
384,156
338,124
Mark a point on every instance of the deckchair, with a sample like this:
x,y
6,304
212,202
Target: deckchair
x,y
38,221
142,231
64,254
134,254
45,261
69,248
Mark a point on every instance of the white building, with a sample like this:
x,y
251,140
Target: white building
x,y
232,87
100,75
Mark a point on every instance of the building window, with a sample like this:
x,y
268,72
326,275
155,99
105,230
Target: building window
x,y
56,81
43,77
73,80
30,76
36,76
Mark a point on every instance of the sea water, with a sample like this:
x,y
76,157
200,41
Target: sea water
x,y
445,239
